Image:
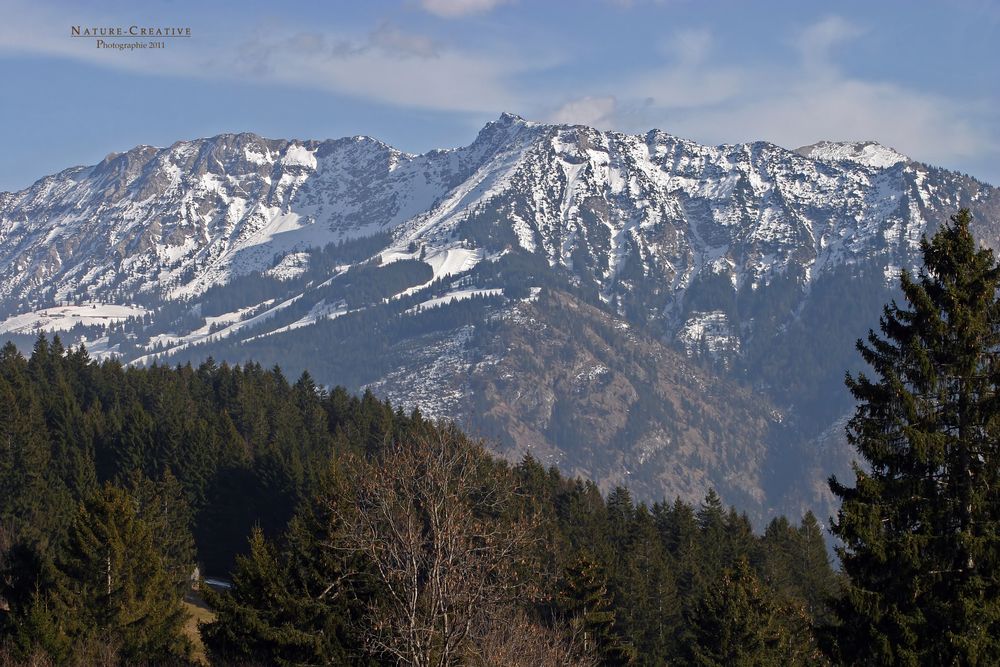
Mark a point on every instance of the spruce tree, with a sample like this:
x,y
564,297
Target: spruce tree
x,y
585,602
736,623
714,534
290,604
24,457
818,583
163,506
921,526
112,585
646,593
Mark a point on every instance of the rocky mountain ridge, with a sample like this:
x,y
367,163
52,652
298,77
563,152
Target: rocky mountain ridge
x,y
411,275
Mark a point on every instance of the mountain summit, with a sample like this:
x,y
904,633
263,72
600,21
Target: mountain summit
x,y
641,309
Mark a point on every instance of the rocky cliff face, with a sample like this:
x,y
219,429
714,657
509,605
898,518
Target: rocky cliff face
x,y
641,309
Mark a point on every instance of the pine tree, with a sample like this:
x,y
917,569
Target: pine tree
x,y
585,602
163,506
736,623
921,526
289,605
112,585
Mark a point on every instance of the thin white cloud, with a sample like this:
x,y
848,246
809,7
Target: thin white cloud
x,y
456,8
686,80
40,29
691,46
696,89
597,112
688,88
792,103
393,40
389,65
922,126
817,40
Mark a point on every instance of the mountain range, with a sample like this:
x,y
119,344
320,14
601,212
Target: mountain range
x,y
639,309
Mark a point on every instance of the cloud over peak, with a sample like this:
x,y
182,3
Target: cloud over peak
x,y
455,8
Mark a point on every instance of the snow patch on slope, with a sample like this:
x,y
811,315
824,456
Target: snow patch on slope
x,y
868,153
454,296
292,265
299,156
215,328
64,318
443,262
708,332
321,310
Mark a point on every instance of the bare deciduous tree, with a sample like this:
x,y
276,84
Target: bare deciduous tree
x,y
508,637
433,518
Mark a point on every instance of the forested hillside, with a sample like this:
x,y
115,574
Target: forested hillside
x,y
119,481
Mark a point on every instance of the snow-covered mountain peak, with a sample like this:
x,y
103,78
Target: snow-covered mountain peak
x,y
500,131
508,118
617,209
867,153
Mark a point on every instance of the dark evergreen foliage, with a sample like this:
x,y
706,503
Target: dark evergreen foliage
x,y
585,601
231,453
921,525
112,584
735,623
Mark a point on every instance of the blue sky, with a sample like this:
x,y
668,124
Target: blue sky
x,y
419,74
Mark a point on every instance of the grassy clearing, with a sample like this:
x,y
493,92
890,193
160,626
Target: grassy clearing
x,y
198,612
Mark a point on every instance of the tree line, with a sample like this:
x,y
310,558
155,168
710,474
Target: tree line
x,y
121,480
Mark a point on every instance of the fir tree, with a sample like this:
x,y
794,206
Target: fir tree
x,y
585,602
289,605
112,585
736,623
921,526
163,506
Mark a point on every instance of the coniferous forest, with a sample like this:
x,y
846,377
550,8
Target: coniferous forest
x,y
338,530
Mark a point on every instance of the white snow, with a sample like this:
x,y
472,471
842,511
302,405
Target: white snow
x,y
256,157
453,260
435,380
300,156
591,373
525,235
868,153
668,209
320,311
291,265
63,318
709,331
443,262
225,326
451,297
